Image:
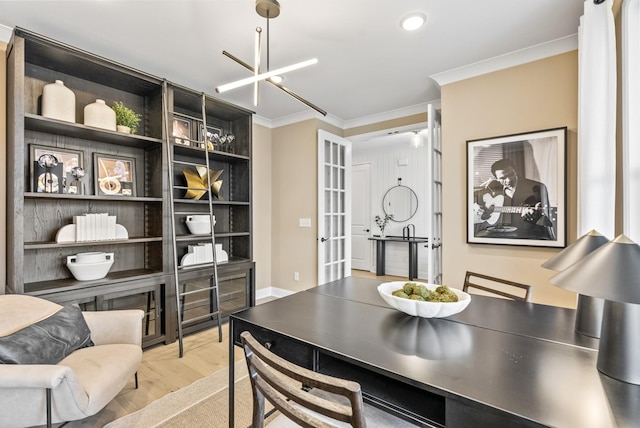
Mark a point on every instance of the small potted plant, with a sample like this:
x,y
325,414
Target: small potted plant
x,y
382,222
127,120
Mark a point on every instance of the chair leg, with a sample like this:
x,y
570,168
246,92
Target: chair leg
x,y
136,378
49,408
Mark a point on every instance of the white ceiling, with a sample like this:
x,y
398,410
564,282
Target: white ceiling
x,y
367,64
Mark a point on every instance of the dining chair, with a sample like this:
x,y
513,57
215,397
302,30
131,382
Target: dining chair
x,y
477,283
291,390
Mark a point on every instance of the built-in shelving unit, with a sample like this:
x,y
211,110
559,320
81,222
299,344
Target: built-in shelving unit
x,y
141,276
196,120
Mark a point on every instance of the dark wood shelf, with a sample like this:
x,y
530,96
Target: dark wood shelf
x,y
213,154
39,123
56,245
118,198
214,202
69,284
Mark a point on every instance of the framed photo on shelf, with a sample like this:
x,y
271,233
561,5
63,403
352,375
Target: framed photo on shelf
x,y
516,189
56,174
114,175
181,131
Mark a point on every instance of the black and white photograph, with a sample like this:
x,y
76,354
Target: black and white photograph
x,y
58,175
517,189
181,131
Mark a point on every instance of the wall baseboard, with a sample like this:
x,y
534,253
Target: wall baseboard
x,y
263,293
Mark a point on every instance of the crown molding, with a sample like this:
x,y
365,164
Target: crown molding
x,y
299,117
5,33
345,124
522,56
388,115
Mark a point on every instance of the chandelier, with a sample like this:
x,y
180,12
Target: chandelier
x,y
268,9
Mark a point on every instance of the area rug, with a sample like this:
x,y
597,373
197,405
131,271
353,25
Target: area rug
x,y
204,403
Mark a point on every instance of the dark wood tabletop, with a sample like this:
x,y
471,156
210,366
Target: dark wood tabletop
x,y
492,313
498,362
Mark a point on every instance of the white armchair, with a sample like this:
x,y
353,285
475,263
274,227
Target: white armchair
x,y
82,383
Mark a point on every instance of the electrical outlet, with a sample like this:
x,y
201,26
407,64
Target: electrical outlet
x,y
296,276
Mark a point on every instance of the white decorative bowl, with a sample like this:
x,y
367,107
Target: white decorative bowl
x,y
423,309
92,257
199,224
96,268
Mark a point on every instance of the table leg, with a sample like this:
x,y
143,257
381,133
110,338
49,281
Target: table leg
x,y
231,375
379,257
413,260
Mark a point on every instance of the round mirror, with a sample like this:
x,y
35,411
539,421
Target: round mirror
x,y
401,202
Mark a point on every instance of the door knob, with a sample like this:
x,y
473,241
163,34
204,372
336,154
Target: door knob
x,y
324,239
366,230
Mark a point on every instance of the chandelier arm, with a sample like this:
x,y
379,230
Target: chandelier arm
x,y
256,67
277,85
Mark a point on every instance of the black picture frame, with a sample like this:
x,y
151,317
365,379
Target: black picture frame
x,y
516,189
67,159
181,131
114,175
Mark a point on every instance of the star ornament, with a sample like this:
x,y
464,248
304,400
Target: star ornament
x,y
197,182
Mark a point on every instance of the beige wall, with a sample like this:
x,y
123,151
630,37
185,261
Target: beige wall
x,y
529,97
262,204
294,196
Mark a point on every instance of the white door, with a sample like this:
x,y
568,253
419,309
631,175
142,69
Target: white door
x,y
361,217
434,198
334,210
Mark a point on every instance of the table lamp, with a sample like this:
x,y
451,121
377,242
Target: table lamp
x,y
612,272
589,309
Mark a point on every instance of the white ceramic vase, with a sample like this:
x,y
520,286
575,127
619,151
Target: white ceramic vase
x,y
58,102
100,115
124,129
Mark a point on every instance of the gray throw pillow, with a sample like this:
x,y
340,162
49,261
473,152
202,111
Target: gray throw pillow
x,y
48,341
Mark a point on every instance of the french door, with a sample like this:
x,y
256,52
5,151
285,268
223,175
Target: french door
x,y
434,198
334,211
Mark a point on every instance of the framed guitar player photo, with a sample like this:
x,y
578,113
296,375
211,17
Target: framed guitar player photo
x,y
516,189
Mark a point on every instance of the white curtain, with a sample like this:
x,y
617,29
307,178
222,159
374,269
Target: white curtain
x,y
631,117
597,119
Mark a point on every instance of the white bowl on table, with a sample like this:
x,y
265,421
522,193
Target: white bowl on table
x,y
420,308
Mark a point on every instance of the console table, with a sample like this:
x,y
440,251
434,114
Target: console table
x,y
499,363
413,253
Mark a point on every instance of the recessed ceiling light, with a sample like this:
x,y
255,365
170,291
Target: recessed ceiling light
x,y
277,79
413,21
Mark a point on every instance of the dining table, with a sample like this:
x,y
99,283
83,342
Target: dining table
x,y
498,363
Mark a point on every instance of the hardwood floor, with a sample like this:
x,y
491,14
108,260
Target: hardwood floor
x,y
372,275
162,371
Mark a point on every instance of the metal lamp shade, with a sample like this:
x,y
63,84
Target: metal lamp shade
x,y
589,309
612,272
576,251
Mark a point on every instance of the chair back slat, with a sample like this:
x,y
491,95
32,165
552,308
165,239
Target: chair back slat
x,y
496,286
281,383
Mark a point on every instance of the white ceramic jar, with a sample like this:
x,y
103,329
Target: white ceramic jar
x,y
100,115
58,102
